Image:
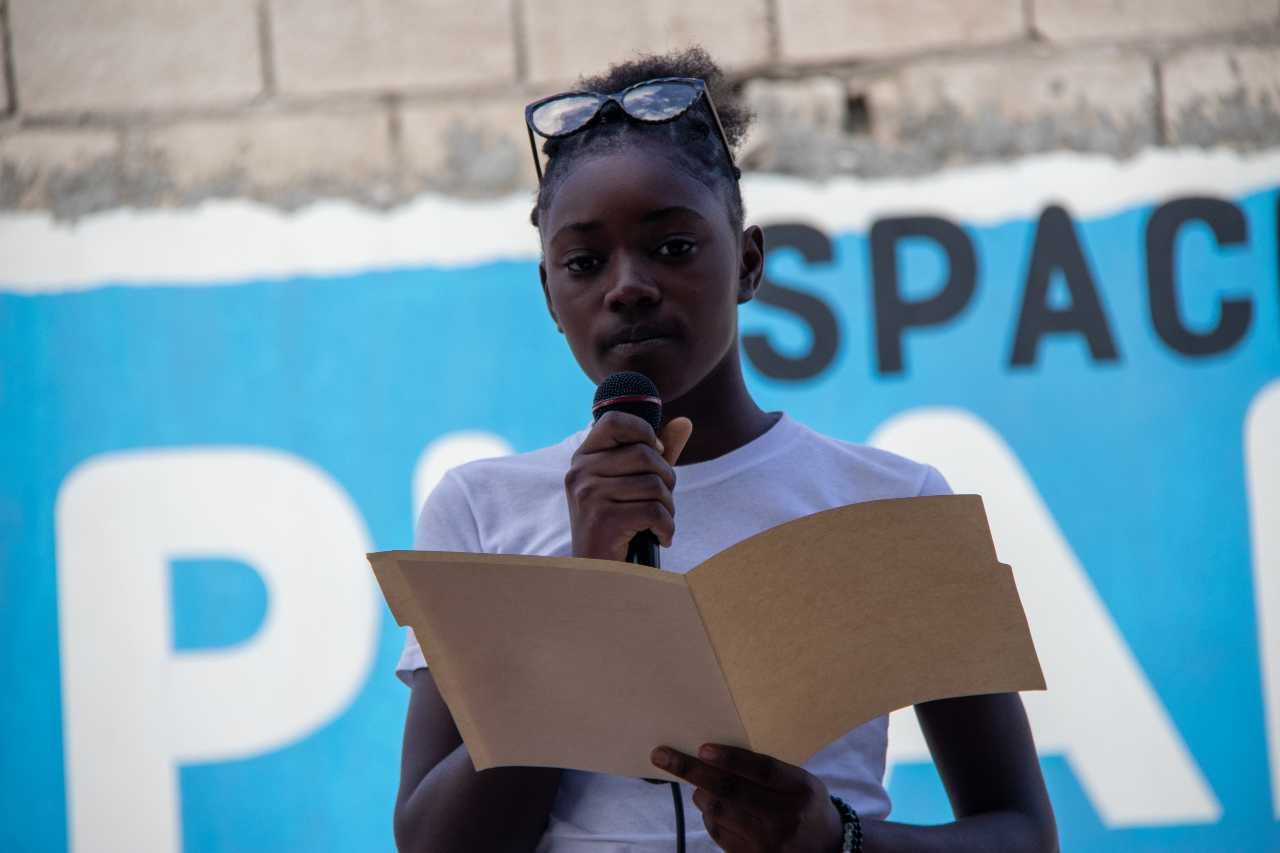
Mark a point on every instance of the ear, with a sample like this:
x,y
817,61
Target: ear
x,y
751,265
546,294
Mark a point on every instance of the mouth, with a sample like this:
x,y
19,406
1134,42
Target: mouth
x,y
638,339
643,345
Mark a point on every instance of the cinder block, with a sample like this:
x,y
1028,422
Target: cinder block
x,y
822,31
70,168
84,55
468,148
797,122
1223,95
1081,20
391,45
565,40
1097,101
816,103
286,159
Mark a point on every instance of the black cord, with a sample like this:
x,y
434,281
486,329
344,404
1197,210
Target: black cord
x,y
676,798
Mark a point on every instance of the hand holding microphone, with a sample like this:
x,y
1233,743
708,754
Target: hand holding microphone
x,y
619,481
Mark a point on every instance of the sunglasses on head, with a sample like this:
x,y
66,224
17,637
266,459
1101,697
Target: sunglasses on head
x,y
654,101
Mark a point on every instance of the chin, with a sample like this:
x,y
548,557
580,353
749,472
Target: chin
x,y
655,369
663,365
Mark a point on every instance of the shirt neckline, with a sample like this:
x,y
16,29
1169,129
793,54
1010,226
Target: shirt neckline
x,y
696,474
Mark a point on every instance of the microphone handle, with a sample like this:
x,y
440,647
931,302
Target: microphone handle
x,y
643,549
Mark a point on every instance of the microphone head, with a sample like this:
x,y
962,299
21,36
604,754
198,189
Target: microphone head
x,y
630,392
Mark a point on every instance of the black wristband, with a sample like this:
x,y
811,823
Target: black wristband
x,y
850,824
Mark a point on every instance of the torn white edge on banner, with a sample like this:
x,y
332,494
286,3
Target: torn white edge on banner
x,y
234,241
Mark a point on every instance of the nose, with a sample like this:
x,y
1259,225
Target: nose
x,y
631,287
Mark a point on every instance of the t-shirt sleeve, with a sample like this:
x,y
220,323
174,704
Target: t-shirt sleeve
x,y
933,484
445,523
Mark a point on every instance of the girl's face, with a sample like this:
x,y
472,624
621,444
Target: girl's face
x,y
642,270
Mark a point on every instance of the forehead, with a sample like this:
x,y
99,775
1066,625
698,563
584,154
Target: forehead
x,y
622,186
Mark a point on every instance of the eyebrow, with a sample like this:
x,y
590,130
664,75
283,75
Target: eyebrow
x,y
651,216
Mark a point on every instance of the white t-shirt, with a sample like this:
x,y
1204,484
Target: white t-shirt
x,y
516,505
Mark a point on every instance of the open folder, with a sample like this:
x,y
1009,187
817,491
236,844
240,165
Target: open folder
x,y
780,643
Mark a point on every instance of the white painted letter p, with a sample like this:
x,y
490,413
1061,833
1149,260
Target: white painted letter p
x,y
133,710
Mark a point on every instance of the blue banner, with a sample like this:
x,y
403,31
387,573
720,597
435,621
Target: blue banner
x,y
195,656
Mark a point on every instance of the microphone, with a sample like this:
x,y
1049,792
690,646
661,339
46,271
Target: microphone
x,y
635,394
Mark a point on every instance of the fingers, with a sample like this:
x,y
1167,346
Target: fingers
x,y
620,483
635,516
641,487
675,435
729,825
726,831
744,793
751,801
616,428
764,770
631,460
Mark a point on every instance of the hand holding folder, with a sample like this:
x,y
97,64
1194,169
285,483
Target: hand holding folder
x,y
779,644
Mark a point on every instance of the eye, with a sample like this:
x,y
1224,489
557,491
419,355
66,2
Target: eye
x,y
582,264
677,247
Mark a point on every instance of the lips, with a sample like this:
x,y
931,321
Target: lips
x,y
638,335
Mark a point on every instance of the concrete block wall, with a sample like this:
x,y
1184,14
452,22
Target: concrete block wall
x,y
168,102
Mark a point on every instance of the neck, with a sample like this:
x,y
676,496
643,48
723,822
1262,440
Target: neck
x,y
724,415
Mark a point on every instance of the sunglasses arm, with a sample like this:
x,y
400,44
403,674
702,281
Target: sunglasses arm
x,y
533,146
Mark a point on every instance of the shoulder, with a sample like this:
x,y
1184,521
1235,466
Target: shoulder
x,y
881,473
486,504
552,460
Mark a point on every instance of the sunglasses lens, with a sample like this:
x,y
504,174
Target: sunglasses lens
x,y
564,115
659,101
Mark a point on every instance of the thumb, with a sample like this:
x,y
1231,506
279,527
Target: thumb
x,y
674,436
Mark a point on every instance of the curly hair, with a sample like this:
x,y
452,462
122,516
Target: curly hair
x,y
690,141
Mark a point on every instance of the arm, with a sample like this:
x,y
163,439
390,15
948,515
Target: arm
x,y
983,749
444,804
984,753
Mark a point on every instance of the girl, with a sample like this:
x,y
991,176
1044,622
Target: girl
x,y
645,259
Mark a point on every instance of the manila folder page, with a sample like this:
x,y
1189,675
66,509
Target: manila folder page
x,y
562,661
833,619
780,643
